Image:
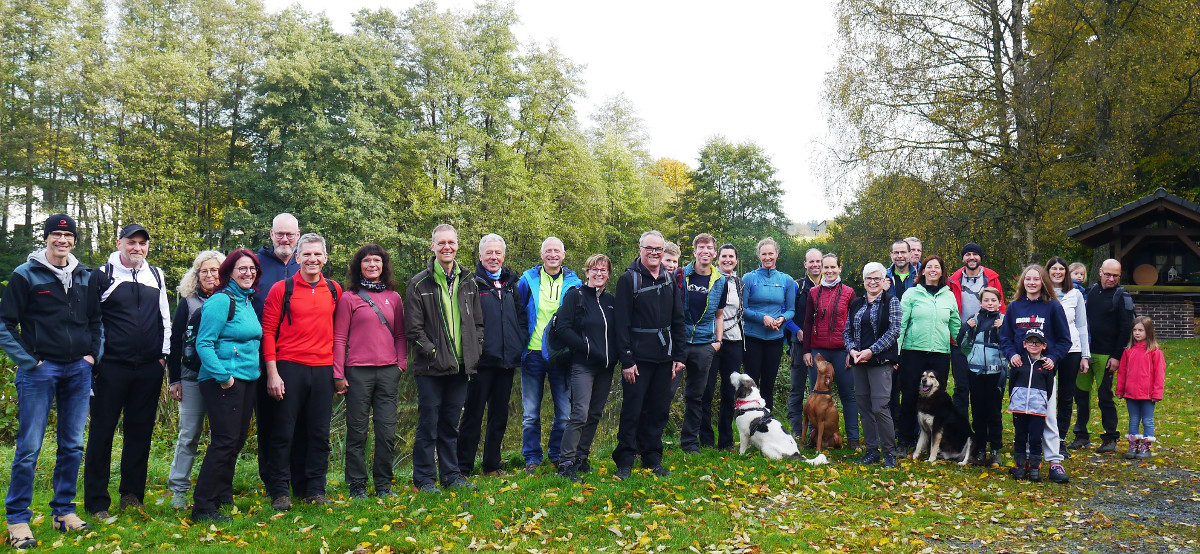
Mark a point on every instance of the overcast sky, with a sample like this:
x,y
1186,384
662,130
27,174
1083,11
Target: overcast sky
x,y
748,70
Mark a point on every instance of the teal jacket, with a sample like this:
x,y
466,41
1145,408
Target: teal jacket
x,y
229,348
927,322
768,292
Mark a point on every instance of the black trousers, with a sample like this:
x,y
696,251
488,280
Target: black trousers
x,y
762,364
987,392
120,387
725,363
308,397
643,415
264,416
1027,434
440,401
912,364
962,381
1068,371
228,423
488,390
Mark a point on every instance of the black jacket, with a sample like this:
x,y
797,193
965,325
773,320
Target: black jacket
x,y
56,323
591,329
135,312
505,330
1110,320
430,349
650,326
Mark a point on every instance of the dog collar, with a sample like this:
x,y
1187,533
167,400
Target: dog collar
x,y
815,391
738,405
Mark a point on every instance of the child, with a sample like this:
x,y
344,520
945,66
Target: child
x,y
1028,402
979,339
1078,273
1140,382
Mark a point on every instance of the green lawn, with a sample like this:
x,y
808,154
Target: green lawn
x,y
720,501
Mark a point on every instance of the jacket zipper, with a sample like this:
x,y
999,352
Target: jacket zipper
x,y
605,318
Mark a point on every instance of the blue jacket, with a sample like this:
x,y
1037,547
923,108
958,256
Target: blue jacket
x,y
273,271
699,327
897,289
229,348
528,288
57,323
768,292
1026,314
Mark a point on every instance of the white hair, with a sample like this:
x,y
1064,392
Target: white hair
x,y
492,237
311,237
651,233
548,240
873,267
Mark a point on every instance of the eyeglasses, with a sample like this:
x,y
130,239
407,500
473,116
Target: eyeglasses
x,y
598,270
210,271
653,249
1110,275
873,279
248,270
286,235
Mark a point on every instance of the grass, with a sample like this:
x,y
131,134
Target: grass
x,y
718,501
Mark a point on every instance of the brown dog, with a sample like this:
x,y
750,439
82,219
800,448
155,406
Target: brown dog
x,y
819,410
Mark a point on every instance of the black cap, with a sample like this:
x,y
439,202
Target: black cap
x,y
133,229
972,247
60,222
1035,335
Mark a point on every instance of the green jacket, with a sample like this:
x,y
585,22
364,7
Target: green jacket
x,y
928,321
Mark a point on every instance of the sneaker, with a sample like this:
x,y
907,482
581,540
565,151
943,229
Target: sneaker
x,y
996,460
281,504
1058,474
871,457
102,515
130,501
497,473
567,471
318,499
661,471
852,444
889,460
582,465
429,488
460,483
20,536
358,490
211,517
532,468
179,500
1080,442
69,522
1109,445
384,493
623,473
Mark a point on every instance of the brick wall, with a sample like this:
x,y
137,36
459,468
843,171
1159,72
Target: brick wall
x,y
1173,318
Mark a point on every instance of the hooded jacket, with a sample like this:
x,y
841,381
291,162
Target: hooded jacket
x,y
229,348
649,323
1142,373
56,310
430,347
590,333
899,287
1110,320
134,311
992,278
505,327
1031,386
981,344
1043,314
767,292
701,328
529,288
928,321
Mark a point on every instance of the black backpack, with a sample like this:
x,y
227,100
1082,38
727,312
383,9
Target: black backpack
x,y
289,286
190,358
559,355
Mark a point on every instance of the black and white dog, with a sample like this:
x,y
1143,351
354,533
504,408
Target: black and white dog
x,y
755,424
943,429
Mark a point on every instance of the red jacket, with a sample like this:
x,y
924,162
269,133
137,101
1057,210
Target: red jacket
x,y
308,339
993,280
1141,374
828,308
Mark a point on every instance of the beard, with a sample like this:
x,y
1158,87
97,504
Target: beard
x,y
284,251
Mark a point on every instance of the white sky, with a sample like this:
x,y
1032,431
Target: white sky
x,y
749,70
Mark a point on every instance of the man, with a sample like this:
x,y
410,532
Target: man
x,y
298,348
52,294
1110,320
129,375
670,258
542,288
443,320
278,263
901,275
650,336
505,334
966,284
914,252
795,330
703,301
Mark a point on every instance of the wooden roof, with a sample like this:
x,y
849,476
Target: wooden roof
x,y
1140,213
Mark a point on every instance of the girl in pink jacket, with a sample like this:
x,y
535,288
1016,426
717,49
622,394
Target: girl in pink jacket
x,y
1140,382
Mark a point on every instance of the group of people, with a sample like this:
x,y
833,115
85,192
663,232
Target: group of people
x,y
267,334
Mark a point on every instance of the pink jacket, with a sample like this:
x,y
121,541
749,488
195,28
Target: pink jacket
x,y
1141,374
360,339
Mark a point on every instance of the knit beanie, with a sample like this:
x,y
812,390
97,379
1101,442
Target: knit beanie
x,y
59,222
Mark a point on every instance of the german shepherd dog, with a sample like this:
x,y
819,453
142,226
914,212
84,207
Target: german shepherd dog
x,y
943,429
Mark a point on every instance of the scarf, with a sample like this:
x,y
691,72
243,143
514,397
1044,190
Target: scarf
x,y
373,286
494,276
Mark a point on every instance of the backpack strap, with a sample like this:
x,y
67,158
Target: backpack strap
x,y
232,305
382,318
289,286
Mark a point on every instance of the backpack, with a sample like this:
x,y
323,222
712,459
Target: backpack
x,y
558,355
189,356
289,286
107,270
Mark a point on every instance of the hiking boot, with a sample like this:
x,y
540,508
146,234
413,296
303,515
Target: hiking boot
x,y
995,460
281,503
497,473
429,488
69,522
130,501
1035,469
691,450
102,515
20,536
1135,444
358,489
1109,445
889,460
211,517
1058,474
623,473
852,444
1062,449
1019,470
567,471
660,471
384,493
870,457
532,468
179,500
460,483
1144,452
582,465
318,499
1080,442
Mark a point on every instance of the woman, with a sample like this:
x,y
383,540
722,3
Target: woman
x,y
729,358
929,317
872,353
1079,357
369,353
227,343
769,298
197,285
590,332
828,309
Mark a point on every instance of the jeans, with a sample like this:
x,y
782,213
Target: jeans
x,y
698,360
229,424
308,398
371,389
589,393
912,364
1141,411
643,415
133,389
535,371
762,365
725,363
1105,399
873,393
844,381
987,392
66,386
191,426
439,405
488,390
